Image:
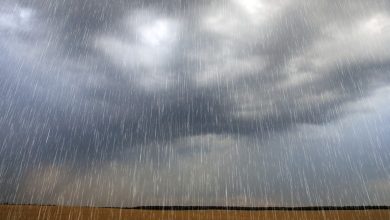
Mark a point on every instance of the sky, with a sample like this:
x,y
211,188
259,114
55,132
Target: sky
x,y
179,102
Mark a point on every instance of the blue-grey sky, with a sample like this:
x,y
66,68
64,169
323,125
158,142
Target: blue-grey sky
x,y
224,102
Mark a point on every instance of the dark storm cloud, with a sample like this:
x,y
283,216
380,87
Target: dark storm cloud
x,y
289,36
84,81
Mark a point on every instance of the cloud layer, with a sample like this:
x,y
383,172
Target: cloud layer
x,y
225,100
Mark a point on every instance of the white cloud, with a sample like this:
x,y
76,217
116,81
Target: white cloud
x,y
144,50
15,18
366,40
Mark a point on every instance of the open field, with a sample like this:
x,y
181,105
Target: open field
x,y
71,213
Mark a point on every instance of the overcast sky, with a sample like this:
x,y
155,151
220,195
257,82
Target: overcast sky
x,y
233,102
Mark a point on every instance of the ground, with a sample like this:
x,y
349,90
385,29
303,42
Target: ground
x,y
81,213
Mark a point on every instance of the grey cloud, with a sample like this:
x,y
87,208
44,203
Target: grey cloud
x,y
68,99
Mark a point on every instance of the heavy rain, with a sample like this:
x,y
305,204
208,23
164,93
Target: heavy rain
x,y
248,103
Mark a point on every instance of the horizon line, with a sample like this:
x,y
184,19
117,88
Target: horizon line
x,y
227,208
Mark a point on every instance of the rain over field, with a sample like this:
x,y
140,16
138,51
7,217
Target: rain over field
x,y
203,103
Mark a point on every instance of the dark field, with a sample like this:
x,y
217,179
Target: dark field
x,y
71,213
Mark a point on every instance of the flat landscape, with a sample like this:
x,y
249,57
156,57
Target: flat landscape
x,y
8,212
